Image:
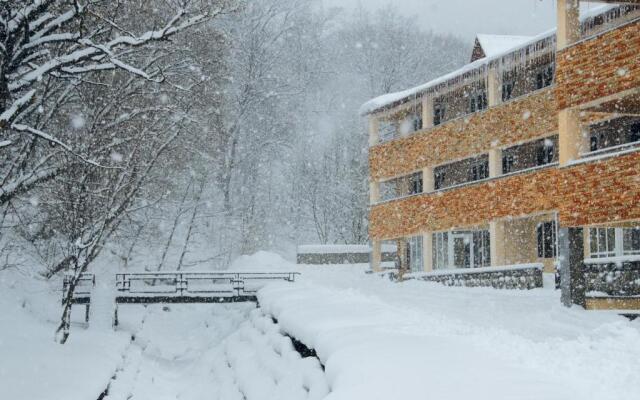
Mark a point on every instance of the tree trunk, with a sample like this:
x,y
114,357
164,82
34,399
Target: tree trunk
x,y
191,222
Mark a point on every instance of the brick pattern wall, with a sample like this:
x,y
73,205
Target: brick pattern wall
x,y
602,66
523,119
583,194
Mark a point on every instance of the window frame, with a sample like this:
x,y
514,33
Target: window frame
x,y
610,241
478,171
439,112
440,250
545,153
544,76
546,239
415,251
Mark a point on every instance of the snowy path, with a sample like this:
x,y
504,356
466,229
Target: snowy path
x,y
382,340
224,352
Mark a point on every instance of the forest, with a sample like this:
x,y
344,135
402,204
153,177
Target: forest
x,y
186,133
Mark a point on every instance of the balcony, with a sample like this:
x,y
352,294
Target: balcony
x,y
601,72
610,19
505,125
582,194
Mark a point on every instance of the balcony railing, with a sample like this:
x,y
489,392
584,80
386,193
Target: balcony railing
x,y
608,20
518,67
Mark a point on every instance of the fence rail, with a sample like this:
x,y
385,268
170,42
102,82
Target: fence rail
x,y
610,19
83,289
185,284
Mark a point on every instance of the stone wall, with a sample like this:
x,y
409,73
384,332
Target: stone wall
x,y
599,67
613,279
529,278
589,193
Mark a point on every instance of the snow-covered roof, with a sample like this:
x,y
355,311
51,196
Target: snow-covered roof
x,y
493,45
386,100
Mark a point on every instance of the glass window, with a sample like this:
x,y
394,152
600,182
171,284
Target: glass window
x,y
402,186
508,161
440,250
479,171
439,110
477,101
634,133
386,130
481,249
614,242
545,152
507,90
417,122
546,233
544,77
439,177
415,183
411,123
602,242
631,241
415,254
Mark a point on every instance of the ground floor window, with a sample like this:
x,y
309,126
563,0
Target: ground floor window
x,y
461,249
440,250
614,242
546,234
415,254
481,248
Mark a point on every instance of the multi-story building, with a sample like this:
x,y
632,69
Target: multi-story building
x,y
536,140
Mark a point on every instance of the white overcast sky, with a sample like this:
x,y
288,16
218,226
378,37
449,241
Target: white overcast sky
x,y
465,18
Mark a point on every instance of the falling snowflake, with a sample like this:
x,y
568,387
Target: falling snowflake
x,y
116,157
77,121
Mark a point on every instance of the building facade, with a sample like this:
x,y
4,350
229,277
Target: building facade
x,y
524,154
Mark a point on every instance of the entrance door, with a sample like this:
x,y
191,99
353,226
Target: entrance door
x,y
462,250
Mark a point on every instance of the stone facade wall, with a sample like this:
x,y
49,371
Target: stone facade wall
x,y
613,280
528,118
599,67
501,279
600,191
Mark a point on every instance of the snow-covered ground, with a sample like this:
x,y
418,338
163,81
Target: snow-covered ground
x,y
187,352
217,352
32,365
376,340
381,340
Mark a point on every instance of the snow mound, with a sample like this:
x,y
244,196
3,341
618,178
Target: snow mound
x,y
262,261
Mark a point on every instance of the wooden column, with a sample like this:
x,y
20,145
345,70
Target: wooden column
x,y
427,112
568,23
376,256
428,180
427,251
497,243
374,133
494,92
495,162
374,192
571,140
